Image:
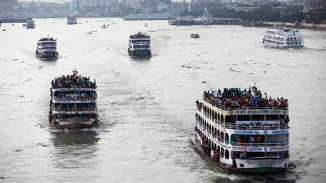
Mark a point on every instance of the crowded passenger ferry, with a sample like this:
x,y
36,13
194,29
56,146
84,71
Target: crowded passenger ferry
x,y
139,45
73,103
243,131
71,20
47,48
282,37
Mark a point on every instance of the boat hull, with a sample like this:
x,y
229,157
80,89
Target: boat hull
x,y
74,123
46,54
232,170
139,52
283,46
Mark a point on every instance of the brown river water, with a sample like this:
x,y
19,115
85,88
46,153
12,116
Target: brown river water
x,y
147,105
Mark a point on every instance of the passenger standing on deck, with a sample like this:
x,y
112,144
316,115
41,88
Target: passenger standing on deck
x,y
234,164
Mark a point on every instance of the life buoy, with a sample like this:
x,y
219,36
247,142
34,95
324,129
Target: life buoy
x,y
254,88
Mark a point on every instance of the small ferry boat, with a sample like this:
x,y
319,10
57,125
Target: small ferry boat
x,y
139,45
194,35
73,103
30,24
243,132
282,37
71,20
47,48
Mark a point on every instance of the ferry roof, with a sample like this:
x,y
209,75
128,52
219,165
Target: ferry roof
x,y
72,81
234,101
139,35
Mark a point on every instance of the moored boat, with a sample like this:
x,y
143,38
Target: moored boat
x,y
139,45
242,132
282,37
47,48
73,103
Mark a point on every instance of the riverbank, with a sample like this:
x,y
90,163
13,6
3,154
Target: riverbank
x,y
288,25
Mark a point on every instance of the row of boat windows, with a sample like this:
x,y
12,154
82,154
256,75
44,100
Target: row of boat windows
x,y
71,95
74,107
139,42
47,44
209,146
215,133
214,116
280,123
282,39
40,49
138,46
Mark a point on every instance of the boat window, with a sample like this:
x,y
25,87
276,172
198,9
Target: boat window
x,y
257,118
271,117
243,118
226,138
222,118
227,154
222,152
282,116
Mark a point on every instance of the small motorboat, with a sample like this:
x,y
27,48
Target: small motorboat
x,y
194,35
104,26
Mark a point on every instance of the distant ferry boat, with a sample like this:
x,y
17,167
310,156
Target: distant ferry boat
x,y
73,103
242,132
30,24
71,20
14,19
47,48
139,45
282,37
163,16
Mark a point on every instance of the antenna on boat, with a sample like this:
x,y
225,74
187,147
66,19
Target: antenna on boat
x,y
265,131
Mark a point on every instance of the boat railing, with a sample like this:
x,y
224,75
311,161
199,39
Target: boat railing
x,y
221,139
69,109
67,120
255,127
259,144
242,107
75,99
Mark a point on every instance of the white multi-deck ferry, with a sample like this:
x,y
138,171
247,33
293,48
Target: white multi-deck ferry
x,y
47,48
139,45
243,132
73,102
282,37
71,20
30,24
